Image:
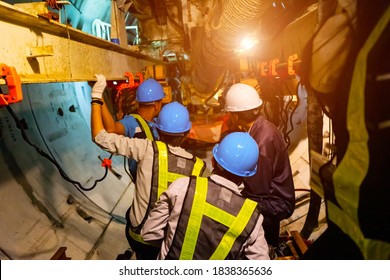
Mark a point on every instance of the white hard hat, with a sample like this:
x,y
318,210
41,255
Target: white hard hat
x,y
241,97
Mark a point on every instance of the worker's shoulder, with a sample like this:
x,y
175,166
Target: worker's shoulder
x,y
179,186
181,152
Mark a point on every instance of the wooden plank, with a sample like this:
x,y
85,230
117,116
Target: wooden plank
x,y
299,242
294,252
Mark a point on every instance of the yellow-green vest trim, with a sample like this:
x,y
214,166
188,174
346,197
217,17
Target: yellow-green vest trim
x,y
352,170
144,125
163,178
233,224
137,237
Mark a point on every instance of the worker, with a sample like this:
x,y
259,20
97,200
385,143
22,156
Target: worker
x,y
272,186
159,163
216,222
149,97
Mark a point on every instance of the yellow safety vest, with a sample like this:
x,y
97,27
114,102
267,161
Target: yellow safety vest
x,y
163,178
210,229
352,170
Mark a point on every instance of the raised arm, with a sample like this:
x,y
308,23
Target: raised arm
x,y
109,123
96,105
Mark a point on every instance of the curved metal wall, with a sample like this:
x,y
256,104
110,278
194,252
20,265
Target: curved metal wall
x,y
42,211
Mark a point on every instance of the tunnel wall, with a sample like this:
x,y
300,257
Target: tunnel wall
x,y
41,210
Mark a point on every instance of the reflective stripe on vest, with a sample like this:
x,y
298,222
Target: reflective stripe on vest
x,y
145,127
137,237
236,224
198,167
164,176
353,168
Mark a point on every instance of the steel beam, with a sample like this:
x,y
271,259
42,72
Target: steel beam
x,y
45,51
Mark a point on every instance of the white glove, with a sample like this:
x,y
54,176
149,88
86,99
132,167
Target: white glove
x,y
99,86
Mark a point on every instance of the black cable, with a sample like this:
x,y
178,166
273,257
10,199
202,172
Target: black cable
x,y
125,159
78,186
284,113
290,119
260,88
293,111
302,190
19,125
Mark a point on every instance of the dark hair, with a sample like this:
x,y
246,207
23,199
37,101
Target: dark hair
x,y
219,170
173,139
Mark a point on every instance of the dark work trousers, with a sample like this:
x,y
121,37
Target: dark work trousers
x,y
142,251
271,231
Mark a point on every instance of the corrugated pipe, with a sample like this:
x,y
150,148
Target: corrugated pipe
x,y
228,20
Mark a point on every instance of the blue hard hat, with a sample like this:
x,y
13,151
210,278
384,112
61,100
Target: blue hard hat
x,y
149,90
237,153
174,118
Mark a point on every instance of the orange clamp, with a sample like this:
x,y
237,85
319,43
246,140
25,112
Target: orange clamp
x,y
290,64
272,67
12,80
106,162
131,82
130,79
140,77
262,68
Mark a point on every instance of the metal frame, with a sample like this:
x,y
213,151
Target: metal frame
x,y
44,51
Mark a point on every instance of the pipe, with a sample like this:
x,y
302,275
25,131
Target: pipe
x,y
228,19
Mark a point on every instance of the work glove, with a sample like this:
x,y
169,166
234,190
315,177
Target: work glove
x,y
99,86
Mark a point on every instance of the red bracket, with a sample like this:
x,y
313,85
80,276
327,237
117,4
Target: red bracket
x,y
106,162
12,80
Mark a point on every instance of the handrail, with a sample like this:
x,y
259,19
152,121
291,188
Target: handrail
x,y
102,30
